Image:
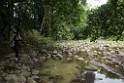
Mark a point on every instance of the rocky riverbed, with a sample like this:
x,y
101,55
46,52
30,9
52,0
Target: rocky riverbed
x,y
29,68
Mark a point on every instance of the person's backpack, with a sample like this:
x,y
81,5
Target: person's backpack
x,y
12,44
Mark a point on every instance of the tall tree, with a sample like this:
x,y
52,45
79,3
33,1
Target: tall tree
x,y
47,16
107,20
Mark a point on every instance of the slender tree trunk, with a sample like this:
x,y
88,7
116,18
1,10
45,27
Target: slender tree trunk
x,y
46,22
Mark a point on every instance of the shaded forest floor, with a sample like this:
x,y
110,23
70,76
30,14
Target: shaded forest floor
x,y
5,48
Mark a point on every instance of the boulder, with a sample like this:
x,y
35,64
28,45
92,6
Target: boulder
x,y
91,68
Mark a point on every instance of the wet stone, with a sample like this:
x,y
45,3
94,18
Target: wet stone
x,y
91,68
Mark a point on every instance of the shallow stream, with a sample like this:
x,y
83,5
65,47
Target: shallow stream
x,y
69,71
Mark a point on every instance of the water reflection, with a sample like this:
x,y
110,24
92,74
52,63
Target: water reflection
x,y
109,74
106,79
88,77
69,72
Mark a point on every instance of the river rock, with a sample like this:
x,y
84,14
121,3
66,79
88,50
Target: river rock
x,y
30,80
80,59
91,68
4,74
13,81
118,60
26,68
25,74
17,71
30,62
55,52
22,79
76,56
109,62
11,76
48,55
35,72
35,60
35,77
59,56
70,54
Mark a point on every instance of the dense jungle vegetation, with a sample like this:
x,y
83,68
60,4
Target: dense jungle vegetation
x,y
43,21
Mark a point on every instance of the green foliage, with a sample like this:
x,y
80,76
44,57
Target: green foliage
x,y
45,16
63,19
107,20
33,39
64,33
67,16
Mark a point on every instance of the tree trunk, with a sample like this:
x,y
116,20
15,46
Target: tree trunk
x,y
46,23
